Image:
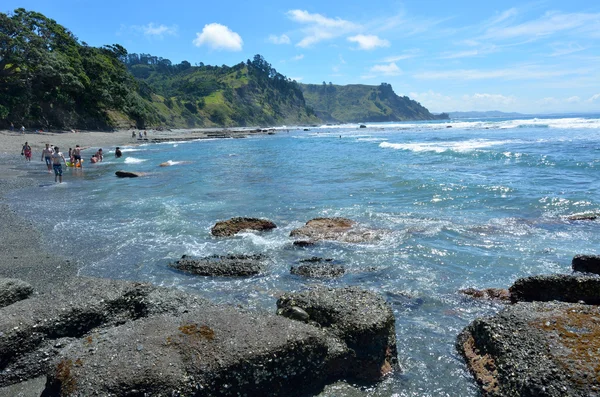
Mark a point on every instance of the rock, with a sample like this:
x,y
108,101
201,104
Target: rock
x,y
560,287
337,229
235,225
165,164
362,126
586,264
33,330
294,313
499,294
222,266
362,319
535,349
13,290
128,174
304,243
582,217
214,350
318,268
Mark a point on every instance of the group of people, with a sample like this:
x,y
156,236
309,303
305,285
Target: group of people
x,y
12,128
52,156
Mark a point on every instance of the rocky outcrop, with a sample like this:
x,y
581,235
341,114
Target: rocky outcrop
x,y
13,290
103,337
535,349
336,229
560,287
362,319
318,268
222,266
34,330
586,264
495,294
235,225
128,174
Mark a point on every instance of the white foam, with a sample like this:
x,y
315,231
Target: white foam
x,y
133,160
440,147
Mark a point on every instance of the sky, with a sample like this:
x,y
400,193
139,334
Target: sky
x,y
460,55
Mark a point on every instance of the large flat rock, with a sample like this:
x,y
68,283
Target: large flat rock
x,y
559,287
535,349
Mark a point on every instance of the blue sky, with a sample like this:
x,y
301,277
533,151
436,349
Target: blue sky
x,y
532,57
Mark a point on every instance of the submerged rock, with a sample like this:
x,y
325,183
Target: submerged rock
x,y
337,229
318,268
586,264
559,287
222,266
128,174
235,225
535,349
362,319
13,290
499,294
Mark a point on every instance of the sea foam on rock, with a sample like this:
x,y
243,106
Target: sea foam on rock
x,y
233,226
364,321
336,229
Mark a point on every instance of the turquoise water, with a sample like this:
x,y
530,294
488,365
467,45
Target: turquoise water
x,y
476,205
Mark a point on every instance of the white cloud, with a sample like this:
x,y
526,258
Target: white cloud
x,y
160,30
319,27
437,102
283,39
368,42
296,78
574,99
594,98
407,55
561,49
548,24
151,30
391,69
516,73
219,37
298,57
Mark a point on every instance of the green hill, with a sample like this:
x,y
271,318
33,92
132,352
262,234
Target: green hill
x,y
363,103
51,80
247,94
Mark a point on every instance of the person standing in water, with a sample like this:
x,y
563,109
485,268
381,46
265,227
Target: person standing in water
x,y
56,156
26,151
47,155
118,152
77,156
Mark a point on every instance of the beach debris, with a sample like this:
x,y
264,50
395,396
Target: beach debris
x,y
222,266
235,225
128,174
318,268
495,294
586,264
13,290
534,349
362,319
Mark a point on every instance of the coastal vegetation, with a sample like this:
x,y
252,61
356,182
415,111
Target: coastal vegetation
x,y
49,79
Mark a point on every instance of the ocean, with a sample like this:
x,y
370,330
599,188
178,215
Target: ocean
x,y
460,203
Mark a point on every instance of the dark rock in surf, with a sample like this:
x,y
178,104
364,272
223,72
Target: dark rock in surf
x,y
235,225
582,217
304,243
222,266
362,126
318,268
496,294
535,349
128,174
557,287
362,319
586,264
13,290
